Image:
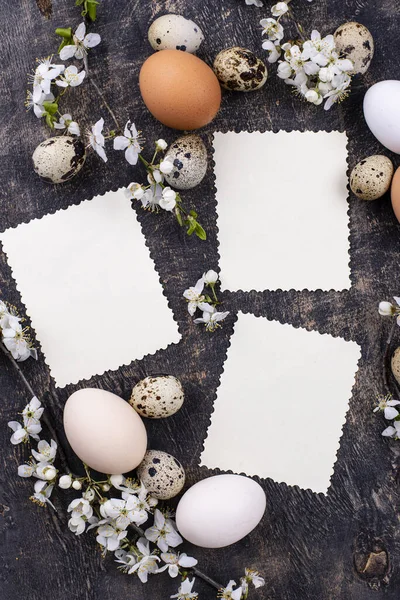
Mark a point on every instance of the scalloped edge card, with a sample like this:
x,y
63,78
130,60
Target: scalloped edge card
x,y
281,403
90,287
282,210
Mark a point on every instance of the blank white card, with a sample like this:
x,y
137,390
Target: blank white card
x,y
281,403
90,287
282,210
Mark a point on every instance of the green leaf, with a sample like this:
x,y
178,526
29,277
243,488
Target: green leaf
x,y
64,32
50,107
191,228
50,120
193,213
200,232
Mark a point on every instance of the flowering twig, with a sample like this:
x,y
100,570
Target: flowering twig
x,y
197,298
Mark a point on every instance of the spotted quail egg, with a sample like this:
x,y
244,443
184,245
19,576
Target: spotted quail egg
x,y
161,474
59,158
395,364
240,70
157,397
354,41
174,32
189,157
371,178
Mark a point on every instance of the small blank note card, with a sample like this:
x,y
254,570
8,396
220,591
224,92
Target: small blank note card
x,y
281,403
90,287
282,210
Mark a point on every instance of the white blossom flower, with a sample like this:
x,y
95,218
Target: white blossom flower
x,y
151,197
27,470
81,44
284,70
44,74
161,145
174,561
77,525
125,559
386,406
279,9
89,494
142,504
340,91
42,493
272,29
46,452
22,434
109,535
147,561
124,484
211,319
129,142
274,50
37,105
163,532
77,485
45,471
229,593
392,431
71,77
121,510
210,278
32,414
80,508
135,191
194,296
65,482
251,576
168,199
166,165
15,340
318,50
185,590
66,122
96,139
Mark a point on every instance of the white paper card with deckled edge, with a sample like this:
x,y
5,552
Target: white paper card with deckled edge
x,y
90,287
282,210
281,403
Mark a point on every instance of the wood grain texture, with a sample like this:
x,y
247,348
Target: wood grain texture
x,y
345,546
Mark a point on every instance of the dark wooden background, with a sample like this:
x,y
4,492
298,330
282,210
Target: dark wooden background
x,y
345,546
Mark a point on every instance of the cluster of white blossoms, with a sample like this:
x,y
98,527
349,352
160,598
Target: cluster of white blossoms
x,y
116,521
386,405
13,336
47,74
313,67
198,299
41,462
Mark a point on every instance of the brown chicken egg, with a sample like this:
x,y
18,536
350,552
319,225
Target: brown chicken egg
x,y
179,89
395,194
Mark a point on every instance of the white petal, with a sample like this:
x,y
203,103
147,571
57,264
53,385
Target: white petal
x,y
100,151
187,561
91,40
389,431
390,413
67,52
120,142
131,155
80,32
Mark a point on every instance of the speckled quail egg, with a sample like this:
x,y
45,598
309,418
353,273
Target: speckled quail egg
x,y
240,70
161,474
371,178
157,397
189,156
174,32
58,159
395,364
354,41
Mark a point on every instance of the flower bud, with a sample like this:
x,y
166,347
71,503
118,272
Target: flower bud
x,y
211,277
161,145
89,495
105,487
65,482
386,309
77,485
50,473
